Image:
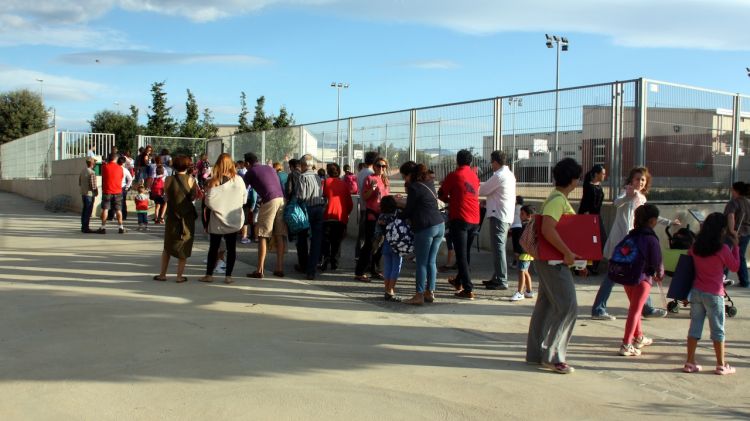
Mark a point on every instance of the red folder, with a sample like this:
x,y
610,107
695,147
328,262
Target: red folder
x,y
579,232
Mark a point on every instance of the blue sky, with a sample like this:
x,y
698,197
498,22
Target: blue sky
x,y
395,54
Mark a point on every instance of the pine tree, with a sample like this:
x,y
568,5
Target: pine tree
x,y
160,123
191,127
260,120
243,123
281,142
207,127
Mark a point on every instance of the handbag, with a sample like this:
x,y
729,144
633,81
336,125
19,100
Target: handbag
x,y
295,216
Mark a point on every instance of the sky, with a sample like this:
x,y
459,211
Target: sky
x,y
94,55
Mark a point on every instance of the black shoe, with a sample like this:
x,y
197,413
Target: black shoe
x,y
487,282
496,286
87,230
121,230
299,269
101,231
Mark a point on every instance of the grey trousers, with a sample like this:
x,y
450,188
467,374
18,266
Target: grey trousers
x,y
554,315
498,236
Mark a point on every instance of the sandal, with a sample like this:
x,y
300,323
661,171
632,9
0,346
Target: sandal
x,y
228,280
691,368
256,275
207,278
160,278
181,279
725,369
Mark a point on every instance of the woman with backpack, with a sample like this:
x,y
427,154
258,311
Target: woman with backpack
x,y
428,227
637,186
556,306
640,249
710,256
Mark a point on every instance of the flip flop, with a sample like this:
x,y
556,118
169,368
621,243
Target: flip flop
x,y
181,279
160,278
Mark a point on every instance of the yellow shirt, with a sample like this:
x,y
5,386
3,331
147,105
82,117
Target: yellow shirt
x,y
557,205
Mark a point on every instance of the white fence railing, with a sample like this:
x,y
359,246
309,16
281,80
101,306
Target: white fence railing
x,y
77,144
31,156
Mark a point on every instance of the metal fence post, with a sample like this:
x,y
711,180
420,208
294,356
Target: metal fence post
x,y
350,142
263,146
736,140
497,129
413,135
615,147
641,108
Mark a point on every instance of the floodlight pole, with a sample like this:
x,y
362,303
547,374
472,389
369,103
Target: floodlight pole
x,y
338,86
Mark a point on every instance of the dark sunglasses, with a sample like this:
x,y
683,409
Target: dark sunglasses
x,y
381,165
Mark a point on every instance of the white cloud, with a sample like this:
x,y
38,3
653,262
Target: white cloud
x,y
135,57
59,88
431,64
706,24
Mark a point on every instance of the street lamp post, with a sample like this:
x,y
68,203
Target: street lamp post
x,y
338,86
560,43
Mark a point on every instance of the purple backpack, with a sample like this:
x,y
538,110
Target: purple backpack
x,y
628,262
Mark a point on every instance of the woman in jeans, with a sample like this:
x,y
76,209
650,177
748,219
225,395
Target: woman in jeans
x,y
556,306
738,220
427,223
225,195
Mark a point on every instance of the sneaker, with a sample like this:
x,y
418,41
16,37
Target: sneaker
x,y
603,316
529,294
101,231
496,286
466,295
220,270
657,312
245,241
562,368
642,341
121,230
728,282
517,296
628,350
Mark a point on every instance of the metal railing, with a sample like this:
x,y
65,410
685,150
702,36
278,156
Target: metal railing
x,y
77,144
29,157
694,140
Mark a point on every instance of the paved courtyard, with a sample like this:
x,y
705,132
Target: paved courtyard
x,y
86,334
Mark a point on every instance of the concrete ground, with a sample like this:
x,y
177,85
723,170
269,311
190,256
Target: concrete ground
x,y
86,334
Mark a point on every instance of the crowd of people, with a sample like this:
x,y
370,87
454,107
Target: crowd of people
x,y
250,201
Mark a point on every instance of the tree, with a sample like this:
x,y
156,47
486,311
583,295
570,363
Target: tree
x,y
124,127
191,127
160,123
207,127
260,120
21,113
281,141
243,124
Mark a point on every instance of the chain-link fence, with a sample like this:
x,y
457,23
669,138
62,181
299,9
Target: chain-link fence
x,y
188,146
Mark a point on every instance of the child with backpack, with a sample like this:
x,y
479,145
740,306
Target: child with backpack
x,y
157,195
141,208
392,260
524,259
636,263
710,256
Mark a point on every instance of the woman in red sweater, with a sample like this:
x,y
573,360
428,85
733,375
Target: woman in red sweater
x,y
336,215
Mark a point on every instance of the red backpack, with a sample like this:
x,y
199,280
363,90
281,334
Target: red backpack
x,y
157,187
351,182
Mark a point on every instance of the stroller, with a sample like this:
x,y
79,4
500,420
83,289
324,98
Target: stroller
x,y
679,266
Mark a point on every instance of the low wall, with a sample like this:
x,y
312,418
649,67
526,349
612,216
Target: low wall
x,y
64,181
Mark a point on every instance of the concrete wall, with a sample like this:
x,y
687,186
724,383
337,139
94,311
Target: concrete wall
x,y
64,181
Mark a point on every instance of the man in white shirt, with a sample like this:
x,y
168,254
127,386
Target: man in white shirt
x,y
500,191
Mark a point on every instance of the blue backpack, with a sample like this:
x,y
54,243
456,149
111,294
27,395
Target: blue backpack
x,y
627,263
295,216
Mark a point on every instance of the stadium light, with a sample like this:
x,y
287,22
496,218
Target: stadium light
x,y
339,86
